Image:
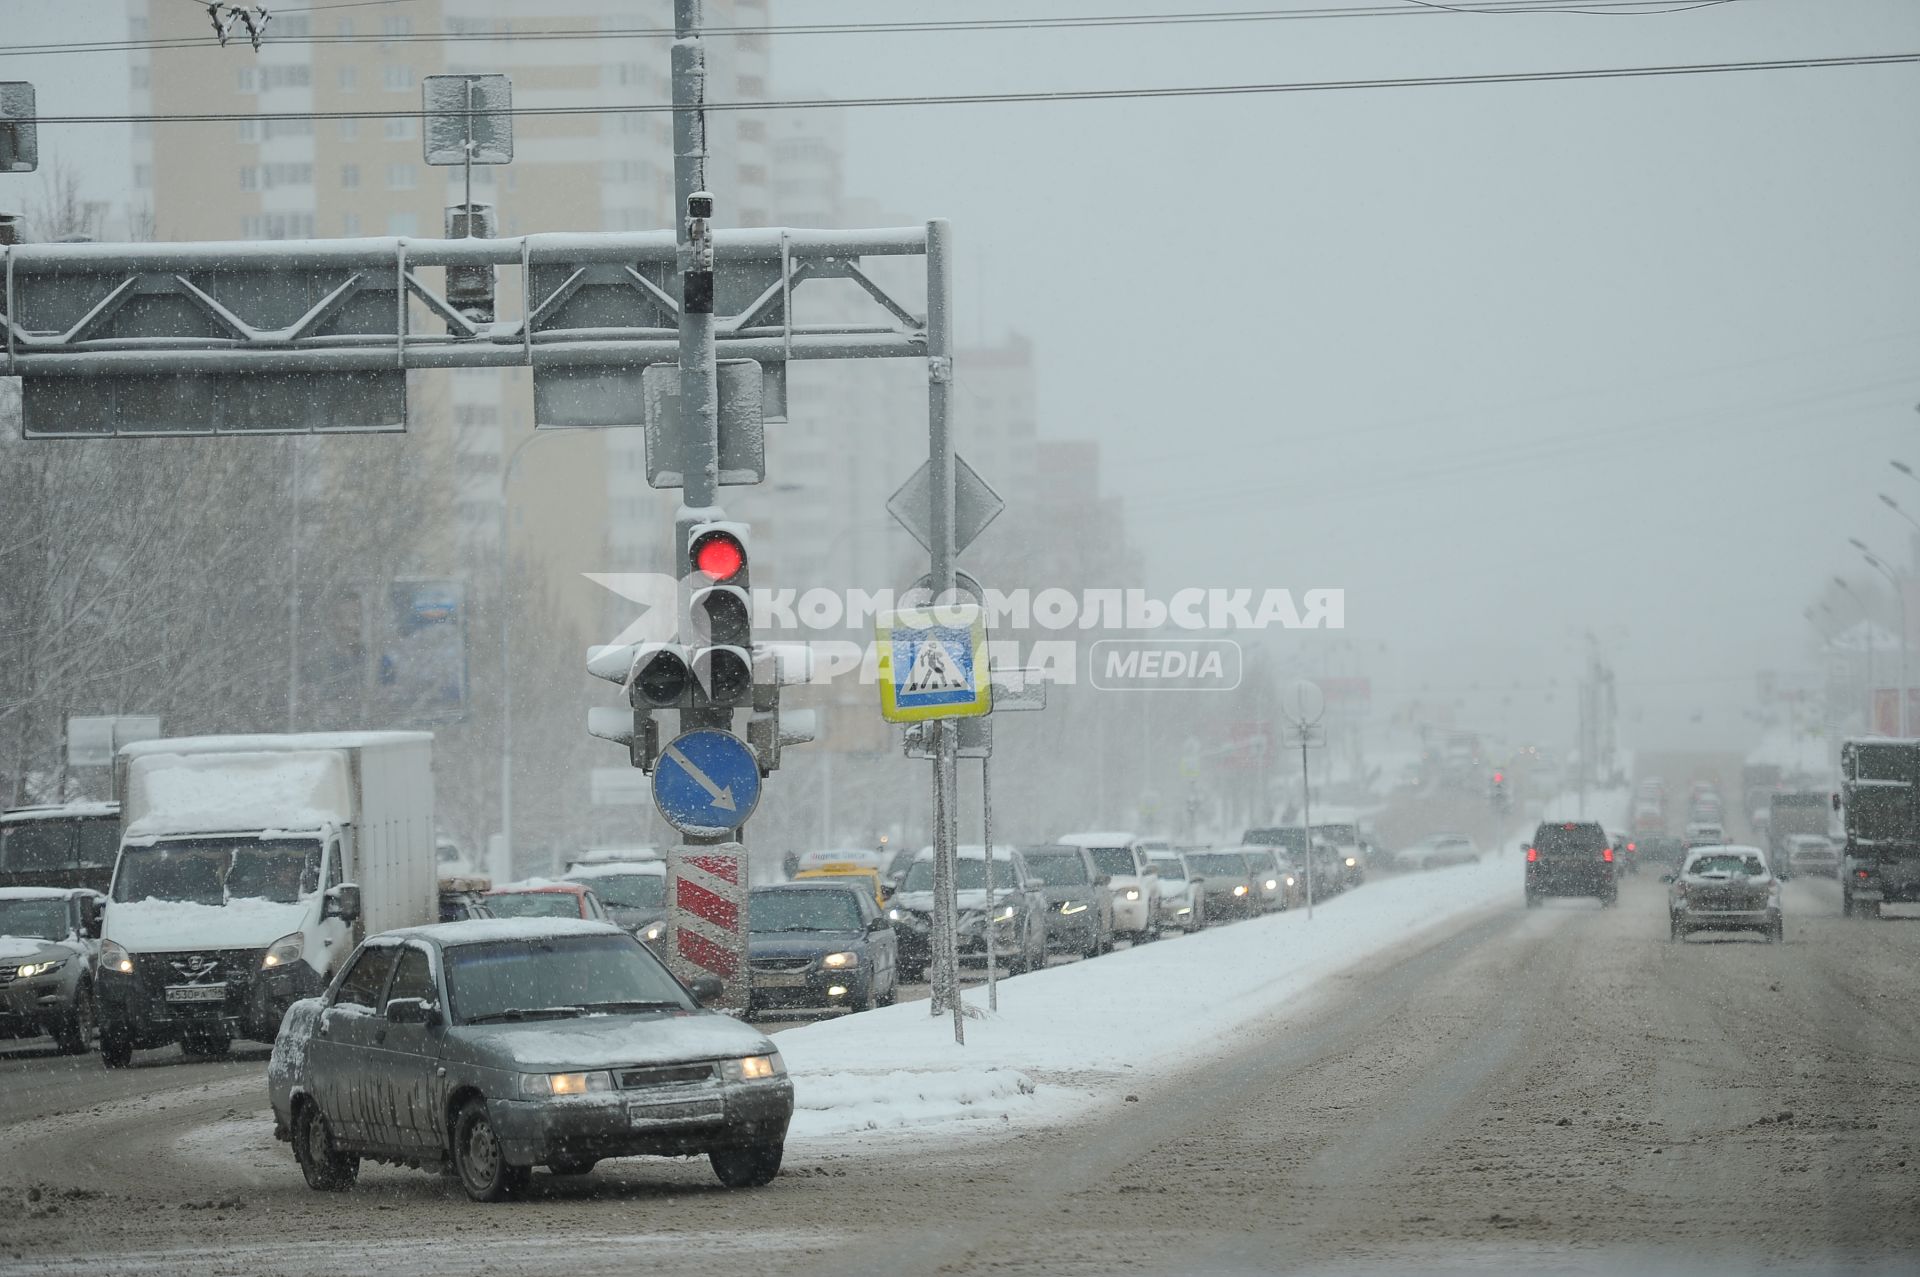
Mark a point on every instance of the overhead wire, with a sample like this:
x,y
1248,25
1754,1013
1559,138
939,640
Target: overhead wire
x,y
1396,9
1061,95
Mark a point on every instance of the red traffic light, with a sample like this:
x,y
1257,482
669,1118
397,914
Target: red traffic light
x,y
1498,778
718,556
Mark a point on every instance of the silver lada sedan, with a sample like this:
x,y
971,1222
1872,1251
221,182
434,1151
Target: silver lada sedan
x,y
496,1045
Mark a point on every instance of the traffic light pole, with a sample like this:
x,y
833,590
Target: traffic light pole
x,y
699,392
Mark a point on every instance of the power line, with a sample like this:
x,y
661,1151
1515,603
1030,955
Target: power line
x,y
1399,9
1060,95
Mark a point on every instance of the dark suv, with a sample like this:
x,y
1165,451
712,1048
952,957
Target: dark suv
x,y
1571,858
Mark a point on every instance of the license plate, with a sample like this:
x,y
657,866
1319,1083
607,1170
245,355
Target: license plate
x,y
703,1109
780,979
197,993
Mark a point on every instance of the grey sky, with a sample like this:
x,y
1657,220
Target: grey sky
x,y
1509,363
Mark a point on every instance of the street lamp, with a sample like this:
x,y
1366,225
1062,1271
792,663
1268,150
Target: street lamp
x,y
1875,563
504,870
1862,605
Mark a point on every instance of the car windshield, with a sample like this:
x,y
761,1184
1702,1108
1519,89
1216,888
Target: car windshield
x,y
31,919
1218,864
1294,840
212,871
556,977
773,910
1168,868
1114,861
534,904
970,872
1708,866
629,891
1569,839
1338,835
1057,868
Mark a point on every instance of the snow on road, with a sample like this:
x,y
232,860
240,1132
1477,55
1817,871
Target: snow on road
x,y
1069,1037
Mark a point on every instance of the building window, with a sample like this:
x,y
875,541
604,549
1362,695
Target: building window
x,y
752,87
349,78
140,77
349,130
350,176
403,223
277,226
249,178
244,80
753,175
401,128
753,131
350,224
402,177
143,176
396,26
398,79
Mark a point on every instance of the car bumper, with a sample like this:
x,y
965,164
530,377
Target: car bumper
x,y
815,990
31,1007
1726,919
1597,883
682,1120
138,1006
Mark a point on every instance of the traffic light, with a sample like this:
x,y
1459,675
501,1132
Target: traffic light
x,y
655,676
1497,793
719,630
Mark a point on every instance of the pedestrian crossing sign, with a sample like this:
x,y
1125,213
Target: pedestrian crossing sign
x,y
933,663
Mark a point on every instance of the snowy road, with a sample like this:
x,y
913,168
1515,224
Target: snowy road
x,y
1559,1089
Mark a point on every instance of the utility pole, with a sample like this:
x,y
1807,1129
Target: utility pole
x,y
941,586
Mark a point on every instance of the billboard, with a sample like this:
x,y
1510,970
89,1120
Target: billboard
x,y
420,660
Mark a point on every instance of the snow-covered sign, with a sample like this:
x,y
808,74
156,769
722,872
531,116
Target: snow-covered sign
x,y
975,504
468,110
92,740
933,663
19,134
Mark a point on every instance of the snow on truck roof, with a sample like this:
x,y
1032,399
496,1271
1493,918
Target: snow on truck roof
x,y
486,930
615,868
198,792
59,811
972,851
46,893
291,741
1099,838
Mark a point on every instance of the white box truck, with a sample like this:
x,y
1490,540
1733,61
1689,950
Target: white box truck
x,y
248,867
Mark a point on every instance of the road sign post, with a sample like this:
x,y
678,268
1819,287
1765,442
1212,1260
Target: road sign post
x,y
707,921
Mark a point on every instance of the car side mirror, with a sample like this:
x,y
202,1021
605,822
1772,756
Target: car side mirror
x,y
90,914
878,925
1836,802
412,1011
706,988
342,902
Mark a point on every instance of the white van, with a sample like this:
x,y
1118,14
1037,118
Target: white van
x,y
1131,879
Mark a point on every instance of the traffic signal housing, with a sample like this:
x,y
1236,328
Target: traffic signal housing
x,y
719,629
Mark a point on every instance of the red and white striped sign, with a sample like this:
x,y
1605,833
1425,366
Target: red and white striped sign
x,y
707,918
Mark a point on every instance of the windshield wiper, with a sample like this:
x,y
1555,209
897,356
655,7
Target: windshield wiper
x,y
635,1004
528,1013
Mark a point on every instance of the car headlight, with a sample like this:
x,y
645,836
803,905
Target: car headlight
x,y
1289,882
1005,915
287,948
562,1084
114,957
754,1068
1273,884
893,915
1240,890
1073,906
30,969
1351,862
845,958
653,931
1133,893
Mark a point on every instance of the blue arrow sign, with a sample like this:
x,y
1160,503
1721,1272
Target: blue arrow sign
x,y
707,782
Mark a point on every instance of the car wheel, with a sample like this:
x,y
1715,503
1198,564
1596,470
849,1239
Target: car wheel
x,y
572,1165
1777,933
76,1032
893,990
116,1047
1093,949
1608,902
751,1167
326,1168
479,1159
1674,930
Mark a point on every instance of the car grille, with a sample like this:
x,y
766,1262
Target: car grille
x,y
664,1075
231,967
780,964
7,973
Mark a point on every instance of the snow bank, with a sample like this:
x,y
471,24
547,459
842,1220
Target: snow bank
x,y
1070,1036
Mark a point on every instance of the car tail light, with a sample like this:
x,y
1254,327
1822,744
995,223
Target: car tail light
x,y
1533,854
1607,855
1860,873
1630,847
